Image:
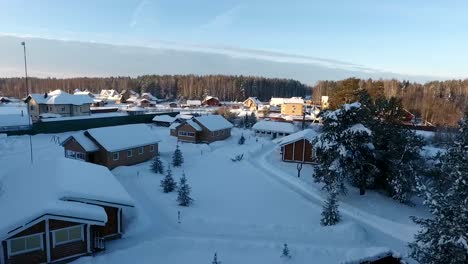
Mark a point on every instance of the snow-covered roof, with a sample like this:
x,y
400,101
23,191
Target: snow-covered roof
x,y
83,93
255,100
196,126
184,116
214,122
84,141
174,125
149,96
54,187
294,100
276,101
61,97
307,134
209,98
109,93
118,138
164,118
273,126
194,102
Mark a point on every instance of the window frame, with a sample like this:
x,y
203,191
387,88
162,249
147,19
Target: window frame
x,y
41,236
55,243
151,148
131,153
113,155
141,150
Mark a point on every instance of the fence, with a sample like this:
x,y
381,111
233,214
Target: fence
x,y
83,124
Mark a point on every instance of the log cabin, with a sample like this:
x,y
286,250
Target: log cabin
x,y
298,147
57,210
203,129
113,146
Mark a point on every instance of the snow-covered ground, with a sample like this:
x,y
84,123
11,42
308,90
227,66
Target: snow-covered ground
x,y
245,211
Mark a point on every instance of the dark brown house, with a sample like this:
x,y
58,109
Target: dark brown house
x,y
211,101
113,146
298,147
203,129
62,213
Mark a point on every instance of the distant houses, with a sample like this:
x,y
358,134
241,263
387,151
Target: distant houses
x,y
273,129
193,103
253,104
113,146
60,103
292,106
298,147
59,210
211,101
203,129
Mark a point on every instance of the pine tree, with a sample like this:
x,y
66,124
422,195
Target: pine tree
x,y
241,140
330,213
156,165
183,197
177,158
444,237
215,259
345,149
286,253
168,184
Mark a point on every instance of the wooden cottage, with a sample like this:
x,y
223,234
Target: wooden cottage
x,y
60,103
203,129
298,147
62,213
253,104
273,129
211,101
113,146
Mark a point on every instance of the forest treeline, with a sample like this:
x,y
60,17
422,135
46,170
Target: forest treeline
x,y
227,88
438,102
441,103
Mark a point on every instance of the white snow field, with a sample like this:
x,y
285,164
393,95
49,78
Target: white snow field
x,y
245,211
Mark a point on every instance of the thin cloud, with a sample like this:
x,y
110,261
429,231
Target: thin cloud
x,y
137,13
223,19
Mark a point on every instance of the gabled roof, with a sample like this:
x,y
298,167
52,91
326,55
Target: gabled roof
x,y
53,187
255,100
274,126
209,98
84,141
174,125
164,118
150,96
194,125
61,97
307,134
213,122
118,138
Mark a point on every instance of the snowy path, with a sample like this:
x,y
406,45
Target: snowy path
x,y
399,231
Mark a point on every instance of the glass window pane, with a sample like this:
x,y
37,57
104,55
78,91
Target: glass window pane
x,y
75,233
33,242
61,236
18,244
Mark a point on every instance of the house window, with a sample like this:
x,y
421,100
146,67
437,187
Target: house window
x,y
32,107
141,150
68,235
75,155
186,134
151,148
63,109
25,244
129,153
115,156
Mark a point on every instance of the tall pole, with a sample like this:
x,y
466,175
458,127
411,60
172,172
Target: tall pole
x,y
28,93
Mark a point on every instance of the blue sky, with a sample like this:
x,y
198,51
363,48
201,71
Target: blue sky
x,y
409,37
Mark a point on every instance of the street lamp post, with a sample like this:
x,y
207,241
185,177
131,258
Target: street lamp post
x,y
28,93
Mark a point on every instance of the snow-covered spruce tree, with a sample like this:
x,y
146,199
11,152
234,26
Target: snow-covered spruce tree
x,y
345,149
443,238
241,140
177,158
397,150
168,184
183,197
330,213
215,259
285,253
157,165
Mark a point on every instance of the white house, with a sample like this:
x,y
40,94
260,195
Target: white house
x,y
273,129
